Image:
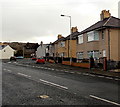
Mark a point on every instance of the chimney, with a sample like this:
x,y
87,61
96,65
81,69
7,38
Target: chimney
x,y
60,36
105,14
74,29
41,43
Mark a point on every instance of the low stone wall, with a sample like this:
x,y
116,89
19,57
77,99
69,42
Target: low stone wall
x,y
82,65
66,62
51,61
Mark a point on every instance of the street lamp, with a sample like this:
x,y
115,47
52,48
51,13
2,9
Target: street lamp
x,y
70,36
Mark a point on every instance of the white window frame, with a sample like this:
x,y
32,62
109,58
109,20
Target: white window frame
x,y
93,36
80,39
62,44
94,54
80,55
104,53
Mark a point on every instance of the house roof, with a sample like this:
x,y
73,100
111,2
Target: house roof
x,y
73,35
60,39
111,22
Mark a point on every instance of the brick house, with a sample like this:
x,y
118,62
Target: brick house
x,y
102,39
64,46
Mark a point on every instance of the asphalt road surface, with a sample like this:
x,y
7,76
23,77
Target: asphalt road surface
x,y
26,85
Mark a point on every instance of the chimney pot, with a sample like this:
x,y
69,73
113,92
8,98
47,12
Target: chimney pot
x,y
105,14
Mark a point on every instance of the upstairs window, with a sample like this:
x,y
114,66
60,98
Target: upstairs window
x,y
62,44
80,39
93,35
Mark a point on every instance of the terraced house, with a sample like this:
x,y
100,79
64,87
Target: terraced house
x,y
64,46
102,39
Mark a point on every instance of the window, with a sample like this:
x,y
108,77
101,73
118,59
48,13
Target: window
x,y
80,39
80,55
62,44
104,53
94,54
93,35
62,54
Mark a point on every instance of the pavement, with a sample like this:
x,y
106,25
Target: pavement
x,y
110,73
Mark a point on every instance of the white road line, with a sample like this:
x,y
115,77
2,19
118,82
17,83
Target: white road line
x,y
108,77
101,76
91,75
9,70
53,84
9,62
98,98
23,75
66,71
85,74
72,72
117,79
78,73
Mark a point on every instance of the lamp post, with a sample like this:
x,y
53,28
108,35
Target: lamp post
x,y
70,38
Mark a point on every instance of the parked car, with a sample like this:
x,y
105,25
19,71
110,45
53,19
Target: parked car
x,y
34,58
12,58
19,57
40,60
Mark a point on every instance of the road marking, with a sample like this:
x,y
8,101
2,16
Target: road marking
x,y
66,71
53,84
23,75
91,75
9,70
85,74
117,79
101,76
78,73
98,98
108,77
72,72
4,69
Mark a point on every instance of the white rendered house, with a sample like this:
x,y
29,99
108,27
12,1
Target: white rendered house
x,y
6,52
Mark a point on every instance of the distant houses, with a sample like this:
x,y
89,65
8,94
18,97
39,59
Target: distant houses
x,y
41,50
100,40
6,52
26,50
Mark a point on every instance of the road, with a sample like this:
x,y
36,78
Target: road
x,y
33,85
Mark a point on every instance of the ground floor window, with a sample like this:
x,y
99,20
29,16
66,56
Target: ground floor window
x,y
62,54
79,55
94,54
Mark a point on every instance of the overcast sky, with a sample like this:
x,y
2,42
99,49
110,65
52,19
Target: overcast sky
x,y
40,20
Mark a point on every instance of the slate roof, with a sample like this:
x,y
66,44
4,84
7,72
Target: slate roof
x,y
60,39
111,22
